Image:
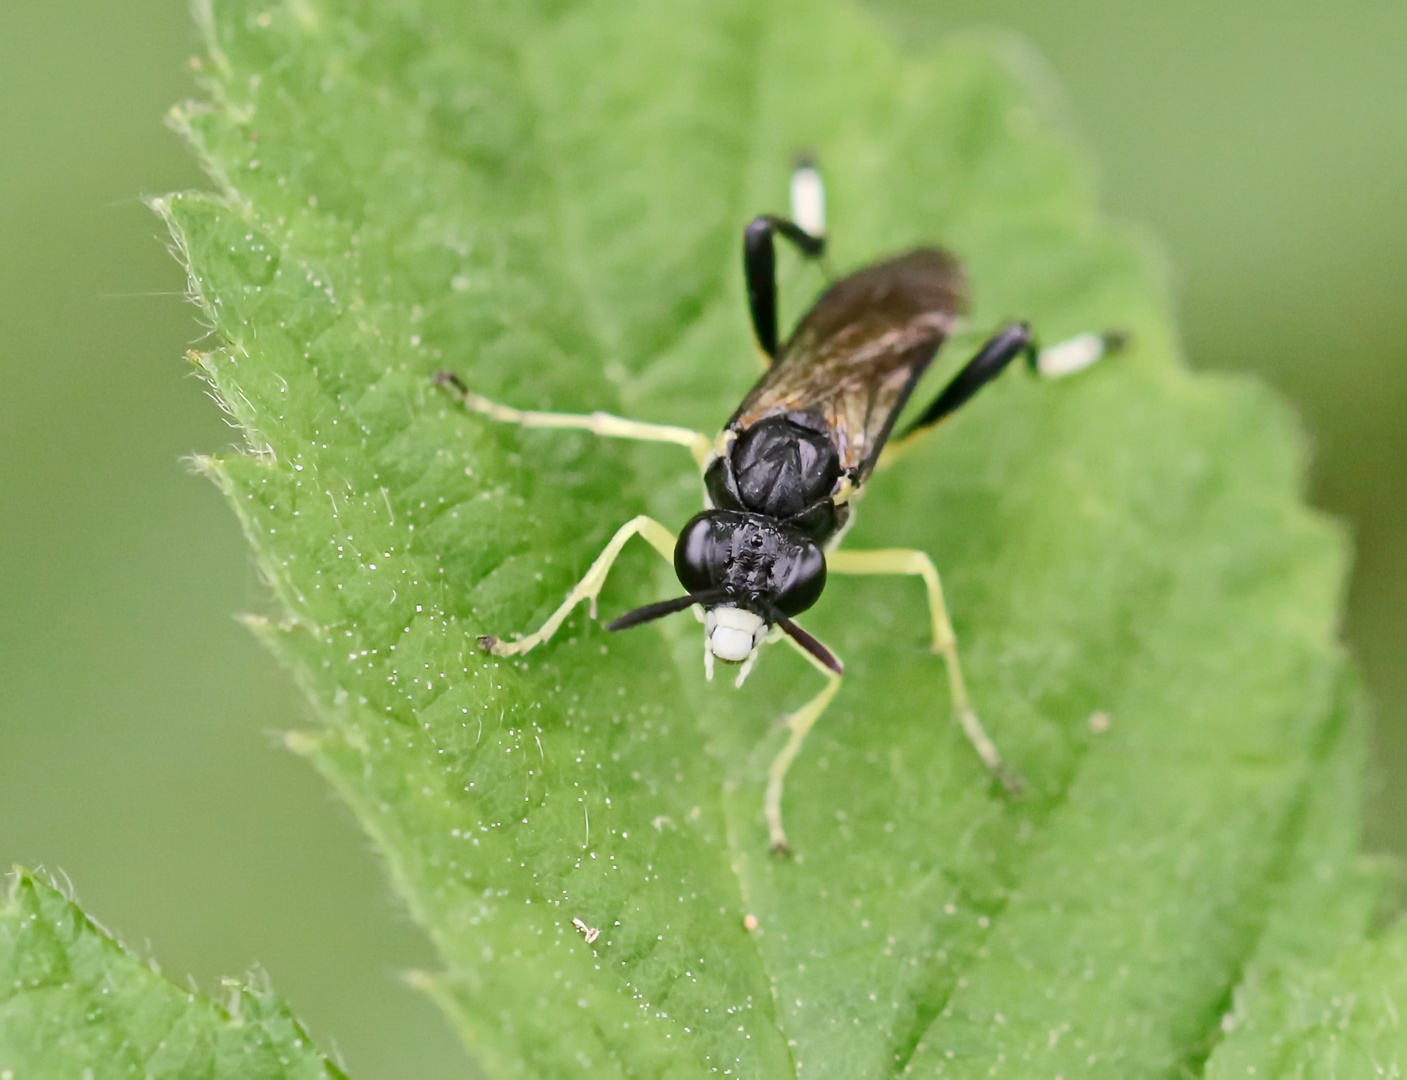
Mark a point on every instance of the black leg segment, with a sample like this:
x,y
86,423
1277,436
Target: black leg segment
x,y
1000,349
760,271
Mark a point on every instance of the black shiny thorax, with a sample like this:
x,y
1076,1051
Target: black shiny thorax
x,y
784,467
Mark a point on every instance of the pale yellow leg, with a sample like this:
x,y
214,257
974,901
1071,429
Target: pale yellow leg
x,y
598,423
945,642
799,723
658,537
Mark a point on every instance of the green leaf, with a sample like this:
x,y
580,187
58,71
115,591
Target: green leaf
x,y
1342,1020
74,1002
1316,1000
547,198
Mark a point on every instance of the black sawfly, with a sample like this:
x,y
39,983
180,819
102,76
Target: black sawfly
x,y
782,477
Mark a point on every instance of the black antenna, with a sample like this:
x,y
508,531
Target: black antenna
x,y
650,612
807,642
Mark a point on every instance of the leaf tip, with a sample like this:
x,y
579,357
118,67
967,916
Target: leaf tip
x,y
259,625
302,743
204,465
18,875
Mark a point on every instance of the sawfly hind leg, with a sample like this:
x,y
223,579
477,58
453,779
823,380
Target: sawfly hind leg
x,y
798,725
805,230
1074,354
598,423
655,534
944,644
808,198
1011,341
1014,339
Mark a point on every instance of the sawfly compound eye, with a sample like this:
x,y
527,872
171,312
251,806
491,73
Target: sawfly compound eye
x,y
701,553
803,579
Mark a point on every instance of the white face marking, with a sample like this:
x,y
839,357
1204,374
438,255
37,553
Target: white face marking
x,y
732,633
808,200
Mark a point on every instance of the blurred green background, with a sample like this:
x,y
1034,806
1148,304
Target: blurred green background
x,y
1264,143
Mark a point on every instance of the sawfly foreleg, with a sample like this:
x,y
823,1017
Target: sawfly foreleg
x,y
944,643
589,587
798,725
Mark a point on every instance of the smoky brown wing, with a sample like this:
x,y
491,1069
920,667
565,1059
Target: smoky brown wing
x,y
856,355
